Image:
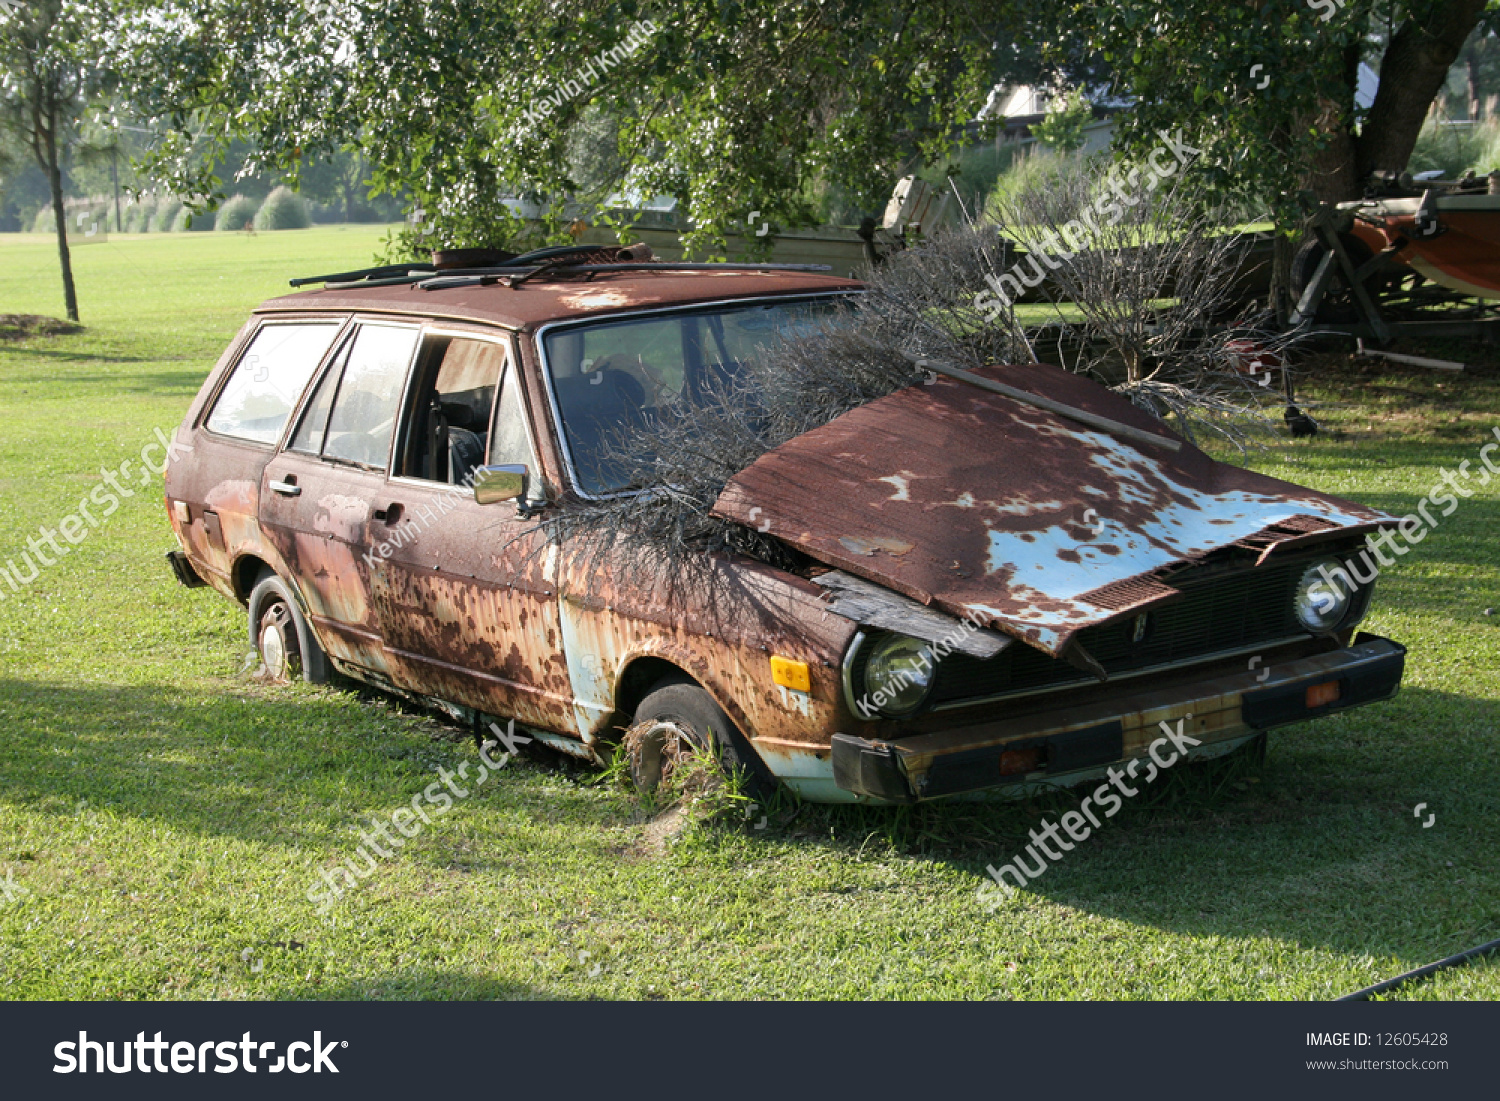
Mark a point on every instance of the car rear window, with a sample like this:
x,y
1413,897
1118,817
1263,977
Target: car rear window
x,y
269,378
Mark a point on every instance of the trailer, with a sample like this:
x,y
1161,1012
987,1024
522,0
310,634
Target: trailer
x,y
1414,258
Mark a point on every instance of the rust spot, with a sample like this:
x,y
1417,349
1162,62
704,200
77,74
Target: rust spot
x,y
874,544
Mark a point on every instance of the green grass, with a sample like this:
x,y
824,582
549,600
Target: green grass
x,y
165,816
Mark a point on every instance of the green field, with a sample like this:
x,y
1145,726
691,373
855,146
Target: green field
x,y
162,816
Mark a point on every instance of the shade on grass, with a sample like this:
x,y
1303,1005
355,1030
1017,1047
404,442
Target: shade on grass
x,y
165,816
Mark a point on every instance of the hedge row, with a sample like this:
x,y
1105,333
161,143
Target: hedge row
x,y
281,209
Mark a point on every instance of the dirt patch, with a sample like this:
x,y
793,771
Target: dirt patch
x,y
659,832
22,326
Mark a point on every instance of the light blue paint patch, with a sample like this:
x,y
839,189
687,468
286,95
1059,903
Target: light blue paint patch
x,y
1022,506
1194,523
590,672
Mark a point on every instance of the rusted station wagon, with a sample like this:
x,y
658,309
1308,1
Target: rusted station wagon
x,y
992,595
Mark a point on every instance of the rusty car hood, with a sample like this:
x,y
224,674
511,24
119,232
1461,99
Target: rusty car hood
x,y
1015,517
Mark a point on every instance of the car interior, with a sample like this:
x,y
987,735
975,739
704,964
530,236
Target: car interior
x,y
447,432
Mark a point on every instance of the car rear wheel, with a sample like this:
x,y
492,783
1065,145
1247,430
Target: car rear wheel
x,y
281,636
676,719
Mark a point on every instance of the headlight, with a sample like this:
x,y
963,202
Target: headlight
x,y
1324,595
898,675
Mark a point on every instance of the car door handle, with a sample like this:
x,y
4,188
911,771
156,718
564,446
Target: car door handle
x,y
288,488
390,514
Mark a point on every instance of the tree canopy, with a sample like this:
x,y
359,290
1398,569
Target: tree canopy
x,y
740,105
1268,89
730,106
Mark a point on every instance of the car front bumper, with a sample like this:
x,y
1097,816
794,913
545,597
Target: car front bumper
x,y
1064,746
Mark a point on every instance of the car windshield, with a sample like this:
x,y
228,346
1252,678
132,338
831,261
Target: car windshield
x,y
611,377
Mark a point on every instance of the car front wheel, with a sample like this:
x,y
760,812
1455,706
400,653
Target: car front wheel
x,y
678,718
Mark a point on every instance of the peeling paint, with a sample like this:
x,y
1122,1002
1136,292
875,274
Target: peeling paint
x,y
992,497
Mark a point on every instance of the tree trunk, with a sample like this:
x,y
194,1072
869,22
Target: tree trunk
x,y
1333,177
114,179
54,181
348,181
1413,70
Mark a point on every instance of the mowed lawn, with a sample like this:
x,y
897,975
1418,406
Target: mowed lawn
x,y
162,817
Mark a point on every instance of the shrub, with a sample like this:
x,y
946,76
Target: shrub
x,y
43,222
138,216
283,209
1453,149
1062,128
237,214
324,214
1488,142
974,172
1029,173
200,221
166,215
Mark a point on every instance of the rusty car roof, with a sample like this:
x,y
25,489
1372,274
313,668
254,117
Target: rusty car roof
x,y
560,298
1011,515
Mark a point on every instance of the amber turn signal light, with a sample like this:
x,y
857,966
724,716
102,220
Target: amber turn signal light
x,y
791,674
1013,761
1318,695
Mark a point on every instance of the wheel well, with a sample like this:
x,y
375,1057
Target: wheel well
x,y
639,678
247,571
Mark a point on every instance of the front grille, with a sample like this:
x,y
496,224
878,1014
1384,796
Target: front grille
x,y
1215,614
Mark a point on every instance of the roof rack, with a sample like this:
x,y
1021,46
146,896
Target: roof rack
x,y
384,272
394,274
541,262
512,277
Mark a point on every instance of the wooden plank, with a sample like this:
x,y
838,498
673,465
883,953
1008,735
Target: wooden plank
x,y
1093,420
873,606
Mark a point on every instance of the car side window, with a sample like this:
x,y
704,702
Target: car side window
x,y
352,415
510,440
448,420
364,410
314,425
267,382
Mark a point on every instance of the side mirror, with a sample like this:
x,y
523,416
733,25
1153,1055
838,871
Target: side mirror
x,y
500,483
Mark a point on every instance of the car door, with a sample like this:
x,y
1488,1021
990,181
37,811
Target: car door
x,y
462,592
215,494
319,493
